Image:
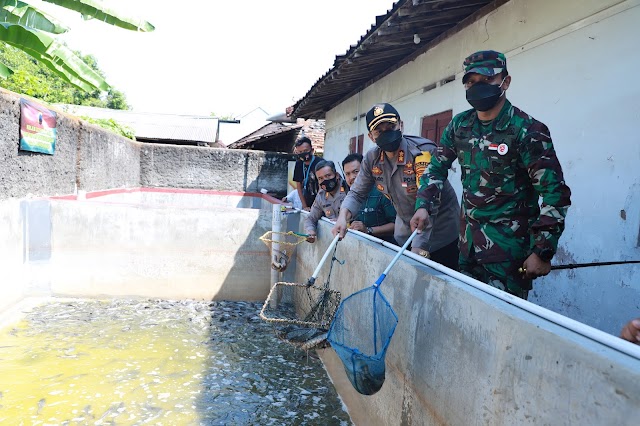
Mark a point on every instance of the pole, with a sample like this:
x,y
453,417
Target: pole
x,y
585,265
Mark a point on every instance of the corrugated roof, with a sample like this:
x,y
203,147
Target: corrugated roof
x,y
146,125
264,133
388,45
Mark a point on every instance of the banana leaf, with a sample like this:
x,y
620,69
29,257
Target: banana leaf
x,y
5,71
57,57
17,12
97,10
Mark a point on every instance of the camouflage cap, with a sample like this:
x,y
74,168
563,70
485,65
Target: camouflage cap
x,y
485,62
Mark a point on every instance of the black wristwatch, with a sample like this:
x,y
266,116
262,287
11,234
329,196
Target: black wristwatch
x,y
545,254
369,230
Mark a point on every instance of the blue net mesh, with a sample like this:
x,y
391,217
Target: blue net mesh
x,y
360,334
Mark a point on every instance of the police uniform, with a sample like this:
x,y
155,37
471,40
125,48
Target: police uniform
x,y
326,205
398,180
507,164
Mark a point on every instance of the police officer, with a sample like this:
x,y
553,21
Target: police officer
x,y
327,202
507,161
394,167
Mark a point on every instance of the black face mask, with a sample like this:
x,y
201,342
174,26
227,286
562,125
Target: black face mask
x,y
484,96
305,156
390,140
329,184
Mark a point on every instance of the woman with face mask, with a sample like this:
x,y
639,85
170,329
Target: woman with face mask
x,y
328,200
507,162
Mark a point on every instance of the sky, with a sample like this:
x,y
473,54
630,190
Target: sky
x,y
223,57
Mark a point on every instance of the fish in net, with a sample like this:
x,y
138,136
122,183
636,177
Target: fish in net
x,y
282,245
361,332
302,312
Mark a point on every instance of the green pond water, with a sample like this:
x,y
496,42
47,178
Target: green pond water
x,y
132,362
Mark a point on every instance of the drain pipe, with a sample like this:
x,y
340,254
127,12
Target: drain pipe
x,y
599,336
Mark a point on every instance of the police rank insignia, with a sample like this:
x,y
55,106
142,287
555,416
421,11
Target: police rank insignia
x,y
421,163
408,169
376,171
377,111
401,156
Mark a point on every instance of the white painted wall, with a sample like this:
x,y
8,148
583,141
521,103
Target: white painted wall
x,y
573,65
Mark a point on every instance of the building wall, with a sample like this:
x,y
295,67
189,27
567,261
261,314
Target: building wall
x,y
573,66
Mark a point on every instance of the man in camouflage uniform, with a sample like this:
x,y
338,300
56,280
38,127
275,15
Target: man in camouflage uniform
x,y
507,161
394,167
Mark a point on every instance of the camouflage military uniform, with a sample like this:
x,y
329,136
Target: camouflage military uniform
x,y
398,181
506,165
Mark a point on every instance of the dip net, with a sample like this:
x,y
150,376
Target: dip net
x,y
302,312
362,330
282,246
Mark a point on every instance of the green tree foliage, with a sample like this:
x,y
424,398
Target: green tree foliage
x,y
38,81
34,32
114,126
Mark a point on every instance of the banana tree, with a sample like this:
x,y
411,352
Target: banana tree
x,y
34,32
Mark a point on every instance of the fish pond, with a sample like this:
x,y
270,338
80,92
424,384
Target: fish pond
x,y
133,362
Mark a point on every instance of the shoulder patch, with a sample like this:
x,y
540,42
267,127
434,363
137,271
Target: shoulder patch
x,y
421,163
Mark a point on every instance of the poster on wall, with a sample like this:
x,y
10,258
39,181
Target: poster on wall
x,y
38,132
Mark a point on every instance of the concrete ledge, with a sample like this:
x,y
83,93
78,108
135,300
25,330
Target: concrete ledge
x,y
460,356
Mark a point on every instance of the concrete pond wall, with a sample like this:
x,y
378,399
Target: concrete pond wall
x,y
205,247
461,356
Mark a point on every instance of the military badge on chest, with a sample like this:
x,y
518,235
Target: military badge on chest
x,y
408,169
501,149
376,171
409,184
